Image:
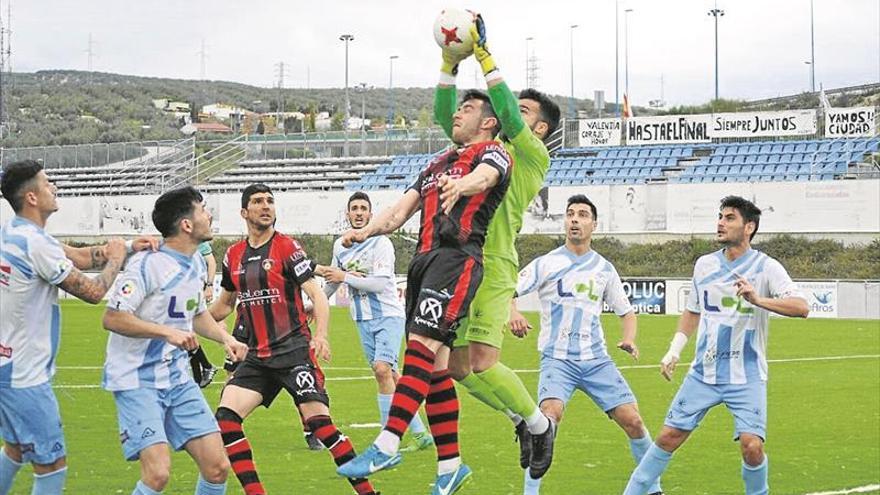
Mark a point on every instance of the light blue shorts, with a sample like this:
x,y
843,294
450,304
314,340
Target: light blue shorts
x,y
148,416
747,402
30,418
598,378
381,338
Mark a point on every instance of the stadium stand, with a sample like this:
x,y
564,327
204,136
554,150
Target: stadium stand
x,y
696,163
296,173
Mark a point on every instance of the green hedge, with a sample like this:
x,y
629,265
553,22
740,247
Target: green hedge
x,y
803,258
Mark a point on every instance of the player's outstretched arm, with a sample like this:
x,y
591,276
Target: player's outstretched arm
x,y
505,104
388,221
93,290
687,325
129,325
205,325
321,312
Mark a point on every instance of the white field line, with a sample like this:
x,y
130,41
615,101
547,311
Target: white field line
x,y
370,377
859,489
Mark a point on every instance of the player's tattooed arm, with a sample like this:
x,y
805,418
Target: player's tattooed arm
x,y
92,290
85,258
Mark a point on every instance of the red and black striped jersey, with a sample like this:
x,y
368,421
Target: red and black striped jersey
x,y
465,226
268,280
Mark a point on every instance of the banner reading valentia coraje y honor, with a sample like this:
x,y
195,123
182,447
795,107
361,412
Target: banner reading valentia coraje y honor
x,y
763,124
599,132
851,122
668,129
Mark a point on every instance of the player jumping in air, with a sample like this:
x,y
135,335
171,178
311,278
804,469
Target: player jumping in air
x,y
526,125
458,192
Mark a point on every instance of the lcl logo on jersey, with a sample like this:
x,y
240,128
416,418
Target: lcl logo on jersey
x,y
579,290
191,305
737,303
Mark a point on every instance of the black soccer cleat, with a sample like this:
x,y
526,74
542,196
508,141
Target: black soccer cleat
x,y
207,376
312,441
525,444
656,493
542,451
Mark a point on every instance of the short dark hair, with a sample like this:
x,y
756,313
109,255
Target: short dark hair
x,y
487,111
16,178
581,199
359,195
173,206
550,112
746,209
251,190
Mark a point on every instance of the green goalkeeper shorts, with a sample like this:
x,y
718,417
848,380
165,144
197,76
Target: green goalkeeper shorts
x,y
488,317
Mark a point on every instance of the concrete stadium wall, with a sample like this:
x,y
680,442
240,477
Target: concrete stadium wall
x,y
830,207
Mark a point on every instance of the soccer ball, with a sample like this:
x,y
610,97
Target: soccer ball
x,y
452,31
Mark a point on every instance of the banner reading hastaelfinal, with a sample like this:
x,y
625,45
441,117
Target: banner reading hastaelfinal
x,y
668,129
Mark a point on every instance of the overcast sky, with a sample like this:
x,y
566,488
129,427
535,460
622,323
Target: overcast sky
x,y
763,43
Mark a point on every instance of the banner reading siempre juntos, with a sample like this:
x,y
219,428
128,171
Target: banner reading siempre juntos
x,y
763,124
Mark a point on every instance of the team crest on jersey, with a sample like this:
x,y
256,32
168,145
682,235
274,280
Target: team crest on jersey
x,y
268,263
127,288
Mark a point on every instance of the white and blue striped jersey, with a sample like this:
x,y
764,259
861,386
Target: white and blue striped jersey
x,y
375,259
572,290
32,264
163,287
732,336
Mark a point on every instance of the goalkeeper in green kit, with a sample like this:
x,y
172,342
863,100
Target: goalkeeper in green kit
x,y
526,124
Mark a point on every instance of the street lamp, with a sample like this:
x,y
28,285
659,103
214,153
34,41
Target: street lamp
x,y
616,57
391,60
571,43
716,13
527,60
346,38
626,55
812,52
362,88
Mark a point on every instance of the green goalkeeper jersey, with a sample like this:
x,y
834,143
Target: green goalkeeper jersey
x,y
531,160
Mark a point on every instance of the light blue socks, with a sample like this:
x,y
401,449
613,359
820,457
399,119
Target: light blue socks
x,y
648,471
755,478
8,469
531,486
638,447
49,483
141,489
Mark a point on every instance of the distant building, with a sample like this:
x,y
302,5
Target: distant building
x,y
223,111
204,127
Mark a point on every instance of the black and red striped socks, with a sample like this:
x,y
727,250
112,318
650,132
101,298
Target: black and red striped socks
x,y
442,408
411,390
239,451
340,448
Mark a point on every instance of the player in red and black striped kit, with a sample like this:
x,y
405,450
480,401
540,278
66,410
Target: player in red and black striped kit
x,y
267,273
458,193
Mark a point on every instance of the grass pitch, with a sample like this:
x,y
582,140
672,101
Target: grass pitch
x,y
823,432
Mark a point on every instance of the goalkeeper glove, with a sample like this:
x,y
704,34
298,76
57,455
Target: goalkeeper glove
x,y
450,62
481,49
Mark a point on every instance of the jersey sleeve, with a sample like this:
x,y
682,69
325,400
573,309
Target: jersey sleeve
x,y
497,157
132,286
383,261
693,297
298,266
49,260
615,296
529,279
444,107
416,185
205,248
780,283
506,107
226,276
